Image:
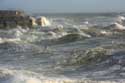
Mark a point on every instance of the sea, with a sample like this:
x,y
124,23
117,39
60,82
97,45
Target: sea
x,y
73,48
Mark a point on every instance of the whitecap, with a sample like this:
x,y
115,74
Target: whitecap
x,y
120,19
119,26
20,76
9,40
44,21
107,33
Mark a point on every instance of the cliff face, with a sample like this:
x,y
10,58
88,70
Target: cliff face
x,y
13,18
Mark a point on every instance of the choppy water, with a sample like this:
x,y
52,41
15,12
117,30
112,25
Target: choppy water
x,y
74,49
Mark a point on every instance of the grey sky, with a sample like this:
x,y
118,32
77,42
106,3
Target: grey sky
x,y
65,5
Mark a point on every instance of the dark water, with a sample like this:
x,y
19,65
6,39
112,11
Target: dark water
x,y
74,49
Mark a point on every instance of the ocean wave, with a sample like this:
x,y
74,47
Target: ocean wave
x,y
96,58
13,40
44,22
14,76
88,57
76,47
72,37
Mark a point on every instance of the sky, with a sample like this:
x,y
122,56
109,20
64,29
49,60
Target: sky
x,y
63,6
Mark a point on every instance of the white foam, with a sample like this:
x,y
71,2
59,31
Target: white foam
x,y
82,33
119,26
44,21
33,80
86,22
14,76
85,35
120,19
11,40
103,32
18,31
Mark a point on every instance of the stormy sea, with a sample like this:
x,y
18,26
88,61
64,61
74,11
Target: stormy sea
x,y
69,48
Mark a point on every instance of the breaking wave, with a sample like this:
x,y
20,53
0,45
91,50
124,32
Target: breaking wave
x,y
14,76
74,49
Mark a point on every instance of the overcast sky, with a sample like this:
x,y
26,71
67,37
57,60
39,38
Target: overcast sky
x,y
54,6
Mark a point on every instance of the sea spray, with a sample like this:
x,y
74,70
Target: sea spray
x,y
68,51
